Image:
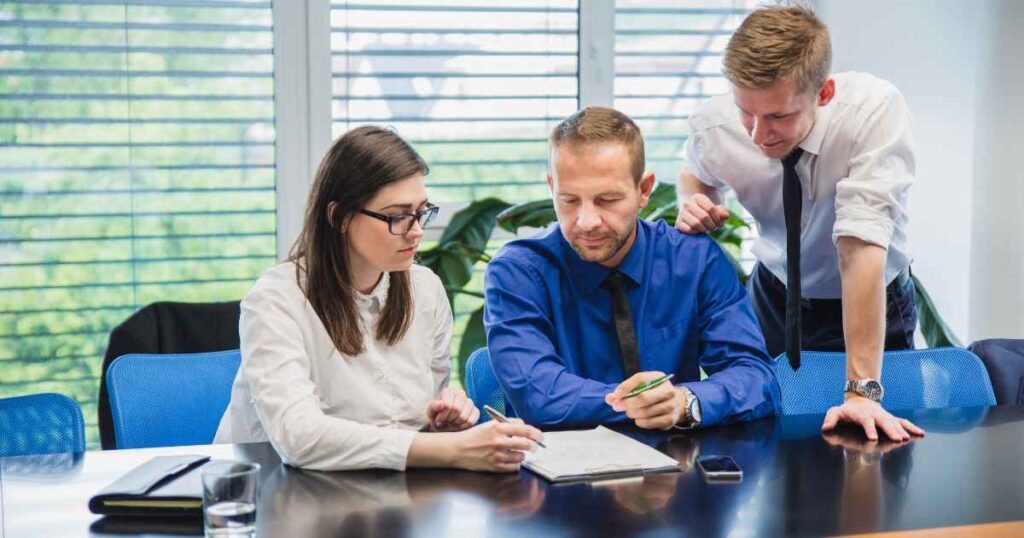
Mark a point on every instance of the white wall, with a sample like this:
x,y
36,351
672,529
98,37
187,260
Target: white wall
x,y
937,53
997,268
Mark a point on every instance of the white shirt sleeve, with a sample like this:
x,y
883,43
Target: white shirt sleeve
x,y
693,160
440,359
277,370
870,201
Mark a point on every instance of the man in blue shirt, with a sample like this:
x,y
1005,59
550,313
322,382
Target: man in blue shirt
x,y
606,301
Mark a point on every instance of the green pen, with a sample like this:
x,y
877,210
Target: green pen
x,y
648,386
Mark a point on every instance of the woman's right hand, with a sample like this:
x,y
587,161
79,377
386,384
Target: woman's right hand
x,y
496,446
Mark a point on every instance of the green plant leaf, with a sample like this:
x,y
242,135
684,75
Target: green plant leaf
x,y
470,253
936,332
663,195
535,214
472,226
462,244
449,265
735,222
666,213
473,338
727,236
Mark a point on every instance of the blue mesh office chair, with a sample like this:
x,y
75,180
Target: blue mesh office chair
x,y
481,385
170,400
914,379
40,424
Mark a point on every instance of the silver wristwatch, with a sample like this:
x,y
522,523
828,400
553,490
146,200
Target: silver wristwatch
x,y
691,419
868,388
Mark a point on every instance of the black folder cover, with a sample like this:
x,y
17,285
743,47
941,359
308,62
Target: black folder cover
x,y
163,486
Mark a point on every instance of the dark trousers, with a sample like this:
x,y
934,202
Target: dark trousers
x,y
822,319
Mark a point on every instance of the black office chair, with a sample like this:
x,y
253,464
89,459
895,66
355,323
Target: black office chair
x,y
167,327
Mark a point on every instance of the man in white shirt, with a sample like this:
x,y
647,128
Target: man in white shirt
x,y
823,164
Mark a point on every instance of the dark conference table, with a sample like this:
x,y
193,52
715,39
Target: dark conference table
x,y
968,470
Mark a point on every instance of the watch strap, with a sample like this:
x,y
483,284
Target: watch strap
x,y
689,421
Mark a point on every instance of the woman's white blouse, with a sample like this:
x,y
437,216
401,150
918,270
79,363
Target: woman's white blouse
x,y
324,410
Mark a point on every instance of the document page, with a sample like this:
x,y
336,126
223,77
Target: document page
x,y
583,454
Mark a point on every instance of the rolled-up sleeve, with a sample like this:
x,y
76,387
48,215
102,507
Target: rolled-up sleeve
x,y
741,383
871,200
276,369
520,340
694,155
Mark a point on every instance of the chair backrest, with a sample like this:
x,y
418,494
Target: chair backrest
x,y
170,400
913,379
482,386
1004,360
166,327
40,424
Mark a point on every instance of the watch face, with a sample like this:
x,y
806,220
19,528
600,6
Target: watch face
x,y
872,389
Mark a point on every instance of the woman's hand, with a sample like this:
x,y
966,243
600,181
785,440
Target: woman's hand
x,y
452,411
496,446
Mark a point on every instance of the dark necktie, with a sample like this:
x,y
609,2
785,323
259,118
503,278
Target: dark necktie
x,y
622,316
792,203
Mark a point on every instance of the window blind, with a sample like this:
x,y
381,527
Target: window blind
x,y
475,86
136,165
668,58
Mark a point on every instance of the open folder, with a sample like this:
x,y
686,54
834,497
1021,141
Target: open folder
x,y
595,454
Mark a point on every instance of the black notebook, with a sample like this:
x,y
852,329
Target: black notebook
x,y
163,486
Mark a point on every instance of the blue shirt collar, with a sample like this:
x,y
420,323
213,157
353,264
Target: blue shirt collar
x,y
590,275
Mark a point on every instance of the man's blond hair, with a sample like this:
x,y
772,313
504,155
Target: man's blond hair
x,y
779,43
599,125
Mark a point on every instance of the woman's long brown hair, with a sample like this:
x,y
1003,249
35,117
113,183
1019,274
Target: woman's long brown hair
x,y
358,164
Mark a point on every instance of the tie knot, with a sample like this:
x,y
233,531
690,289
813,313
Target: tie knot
x,y
789,161
615,281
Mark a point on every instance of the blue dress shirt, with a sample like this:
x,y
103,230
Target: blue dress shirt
x,y
553,344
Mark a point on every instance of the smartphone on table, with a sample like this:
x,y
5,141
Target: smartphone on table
x,y
719,468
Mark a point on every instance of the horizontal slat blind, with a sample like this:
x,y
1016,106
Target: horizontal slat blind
x,y
136,165
668,59
475,86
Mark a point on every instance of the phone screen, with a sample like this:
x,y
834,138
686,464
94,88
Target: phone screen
x,y
719,467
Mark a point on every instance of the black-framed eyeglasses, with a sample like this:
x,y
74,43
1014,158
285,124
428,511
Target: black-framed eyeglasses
x,y
402,224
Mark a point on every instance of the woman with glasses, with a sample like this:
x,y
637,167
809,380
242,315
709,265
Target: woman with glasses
x,y
345,346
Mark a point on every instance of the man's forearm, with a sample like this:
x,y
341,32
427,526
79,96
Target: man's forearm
x,y
862,267
687,185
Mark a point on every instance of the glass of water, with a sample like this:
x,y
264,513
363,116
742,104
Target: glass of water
x,y
229,498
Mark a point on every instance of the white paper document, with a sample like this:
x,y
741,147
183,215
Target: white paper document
x,y
593,454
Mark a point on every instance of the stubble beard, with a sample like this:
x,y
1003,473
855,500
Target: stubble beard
x,y
583,253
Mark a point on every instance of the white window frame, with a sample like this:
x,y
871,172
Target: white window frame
x,y
302,93
302,104
596,53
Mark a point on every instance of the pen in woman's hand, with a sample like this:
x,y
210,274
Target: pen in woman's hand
x,y
496,415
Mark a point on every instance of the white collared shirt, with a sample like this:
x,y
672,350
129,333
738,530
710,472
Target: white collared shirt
x,y
324,410
857,167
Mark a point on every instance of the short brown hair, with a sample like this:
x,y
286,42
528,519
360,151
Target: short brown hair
x,y
597,124
358,165
777,43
